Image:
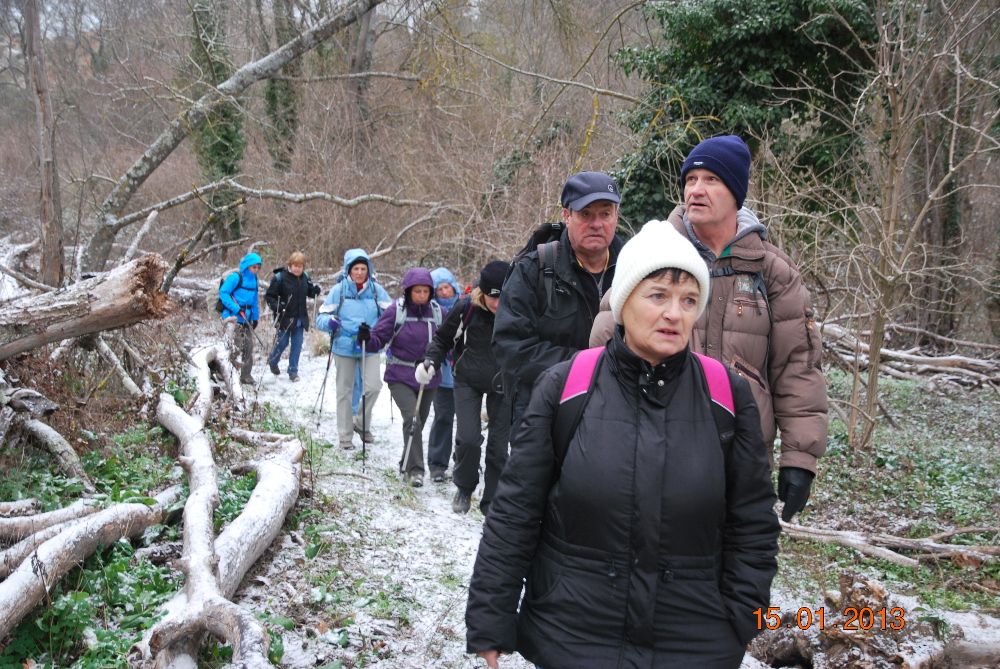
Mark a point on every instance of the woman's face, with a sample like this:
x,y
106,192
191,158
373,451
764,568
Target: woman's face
x,y
359,273
658,316
445,291
296,269
492,303
420,294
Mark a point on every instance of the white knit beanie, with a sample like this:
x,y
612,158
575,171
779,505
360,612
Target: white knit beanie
x,y
657,246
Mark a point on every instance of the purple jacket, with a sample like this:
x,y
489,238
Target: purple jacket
x,y
412,340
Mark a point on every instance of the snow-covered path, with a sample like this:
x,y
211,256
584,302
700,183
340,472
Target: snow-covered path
x,y
414,553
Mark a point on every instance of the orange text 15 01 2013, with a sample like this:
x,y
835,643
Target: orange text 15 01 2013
x,y
853,619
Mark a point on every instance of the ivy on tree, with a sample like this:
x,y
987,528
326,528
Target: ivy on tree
x,y
219,142
737,67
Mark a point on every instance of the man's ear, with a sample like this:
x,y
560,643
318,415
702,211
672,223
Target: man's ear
x,y
566,213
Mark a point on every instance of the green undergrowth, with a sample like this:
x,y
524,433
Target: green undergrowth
x,y
939,470
96,613
102,607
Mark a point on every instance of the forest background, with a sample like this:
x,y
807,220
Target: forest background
x,y
440,133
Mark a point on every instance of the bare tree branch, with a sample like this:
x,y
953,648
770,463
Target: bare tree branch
x,y
99,247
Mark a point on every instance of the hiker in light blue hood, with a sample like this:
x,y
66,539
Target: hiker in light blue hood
x,y
356,299
238,294
439,444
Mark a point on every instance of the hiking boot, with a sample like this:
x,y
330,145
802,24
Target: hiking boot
x,y
437,475
293,377
347,445
461,502
416,480
366,435
247,381
274,369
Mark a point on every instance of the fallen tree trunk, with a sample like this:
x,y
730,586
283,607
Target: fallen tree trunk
x,y
882,545
30,582
11,558
54,443
204,608
21,507
123,296
15,529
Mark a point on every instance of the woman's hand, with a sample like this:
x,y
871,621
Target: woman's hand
x,y
491,657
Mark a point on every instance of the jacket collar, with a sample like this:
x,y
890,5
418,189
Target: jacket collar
x,y
747,245
637,374
566,258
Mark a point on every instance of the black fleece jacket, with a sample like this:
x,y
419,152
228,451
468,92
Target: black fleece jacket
x,y
652,548
473,361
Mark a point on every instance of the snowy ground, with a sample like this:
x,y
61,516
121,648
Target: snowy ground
x,y
389,585
414,553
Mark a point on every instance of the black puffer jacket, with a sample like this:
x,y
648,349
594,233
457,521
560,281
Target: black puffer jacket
x,y
286,296
473,362
531,335
652,549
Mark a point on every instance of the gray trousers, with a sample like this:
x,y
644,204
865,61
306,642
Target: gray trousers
x,y
244,344
405,398
469,439
346,366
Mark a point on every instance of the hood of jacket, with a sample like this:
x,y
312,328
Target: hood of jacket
x,y
248,260
417,276
746,223
444,275
353,255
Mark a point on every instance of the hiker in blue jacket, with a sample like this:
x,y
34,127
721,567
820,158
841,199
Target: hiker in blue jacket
x,y
446,293
356,299
643,535
238,294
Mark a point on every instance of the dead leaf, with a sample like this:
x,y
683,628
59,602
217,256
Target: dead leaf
x,y
322,627
961,560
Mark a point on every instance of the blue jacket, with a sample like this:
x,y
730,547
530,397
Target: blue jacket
x,y
245,297
356,307
442,275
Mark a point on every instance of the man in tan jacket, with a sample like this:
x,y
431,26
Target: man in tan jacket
x,y
759,320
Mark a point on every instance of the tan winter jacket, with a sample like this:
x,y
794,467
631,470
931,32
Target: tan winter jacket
x,y
787,381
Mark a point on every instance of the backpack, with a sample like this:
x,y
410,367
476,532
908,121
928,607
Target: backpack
x,y
341,279
545,239
464,325
218,303
402,319
580,382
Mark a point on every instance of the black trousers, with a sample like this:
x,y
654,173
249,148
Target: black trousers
x,y
469,438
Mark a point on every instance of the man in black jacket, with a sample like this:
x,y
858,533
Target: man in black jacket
x,y
286,297
532,332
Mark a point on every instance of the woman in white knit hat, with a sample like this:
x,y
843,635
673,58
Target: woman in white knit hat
x,y
636,508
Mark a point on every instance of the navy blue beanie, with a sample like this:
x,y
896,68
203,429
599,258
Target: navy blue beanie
x,y
726,156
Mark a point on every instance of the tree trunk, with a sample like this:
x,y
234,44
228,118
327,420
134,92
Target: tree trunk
x,y
29,583
50,213
214,569
99,247
123,296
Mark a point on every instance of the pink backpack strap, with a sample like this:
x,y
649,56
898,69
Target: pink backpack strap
x,y
581,371
718,382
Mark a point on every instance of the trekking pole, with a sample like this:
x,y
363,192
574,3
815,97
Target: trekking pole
x,y
322,388
364,405
413,426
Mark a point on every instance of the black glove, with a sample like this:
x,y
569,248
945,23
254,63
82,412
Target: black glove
x,y
315,290
254,324
364,333
793,489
